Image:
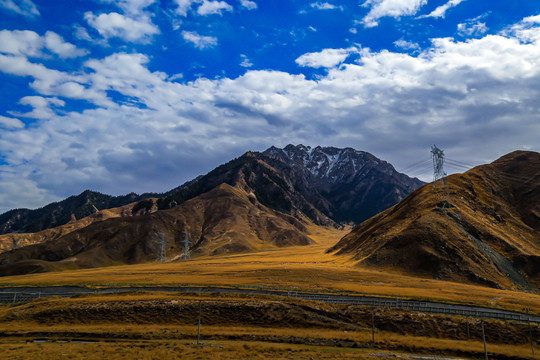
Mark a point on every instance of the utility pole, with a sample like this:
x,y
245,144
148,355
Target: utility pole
x,y
186,246
373,326
199,326
484,339
530,331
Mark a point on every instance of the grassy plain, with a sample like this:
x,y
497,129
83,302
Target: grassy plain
x,y
163,326
307,268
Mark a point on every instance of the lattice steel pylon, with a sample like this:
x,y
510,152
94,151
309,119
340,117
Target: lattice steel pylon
x,y
439,175
186,246
162,256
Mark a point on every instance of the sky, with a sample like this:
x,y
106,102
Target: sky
x,y
122,96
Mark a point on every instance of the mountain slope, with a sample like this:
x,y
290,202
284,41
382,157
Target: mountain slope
x,y
356,184
223,220
25,239
60,213
487,230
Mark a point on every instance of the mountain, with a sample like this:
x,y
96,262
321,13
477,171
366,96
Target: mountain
x,y
356,184
253,202
485,230
61,213
223,220
9,241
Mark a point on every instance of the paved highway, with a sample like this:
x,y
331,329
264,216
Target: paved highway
x,y
25,294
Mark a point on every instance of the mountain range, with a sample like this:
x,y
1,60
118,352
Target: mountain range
x,y
481,227
256,201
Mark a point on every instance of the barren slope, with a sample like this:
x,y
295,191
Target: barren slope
x,y
223,220
25,239
489,233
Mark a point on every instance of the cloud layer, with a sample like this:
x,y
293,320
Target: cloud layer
x,y
115,121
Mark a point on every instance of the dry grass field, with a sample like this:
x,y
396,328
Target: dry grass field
x,y
164,326
306,268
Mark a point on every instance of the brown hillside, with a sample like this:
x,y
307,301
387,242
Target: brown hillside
x,y
223,220
25,239
487,233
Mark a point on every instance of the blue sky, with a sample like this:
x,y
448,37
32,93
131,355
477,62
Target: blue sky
x,y
142,95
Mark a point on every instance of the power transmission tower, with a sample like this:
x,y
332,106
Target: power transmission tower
x,y
162,254
186,246
438,163
438,171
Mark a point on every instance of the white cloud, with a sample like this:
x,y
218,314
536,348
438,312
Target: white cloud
x,y
326,58
25,8
81,33
183,6
245,61
200,41
131,7
29,43
10,123
475,28
406,45
390,8
532,19
43,108
56,44
117,25
456,93
209,7
21,42
247,4
440,11
324,6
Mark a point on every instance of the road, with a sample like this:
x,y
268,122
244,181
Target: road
x,y
25,294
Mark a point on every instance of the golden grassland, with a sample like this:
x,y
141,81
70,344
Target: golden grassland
x,y
307,268
74,337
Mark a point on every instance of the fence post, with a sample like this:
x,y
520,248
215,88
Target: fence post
x,y
14,297
199,326
484,338
373,325
530,331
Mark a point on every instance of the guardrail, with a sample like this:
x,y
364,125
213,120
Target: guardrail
x,y
420,307
425,307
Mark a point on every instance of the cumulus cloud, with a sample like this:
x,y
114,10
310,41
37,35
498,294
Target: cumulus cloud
x,y
30,44
183,6
56,44
10,123
209,7
25,8
117,25
42,108
247,4
478,99
199,41
390,8
326,58
440,11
